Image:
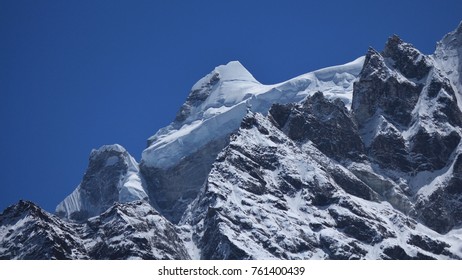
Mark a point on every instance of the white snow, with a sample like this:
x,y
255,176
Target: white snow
x,y
236,92
72,203
106,148
186,234
426,183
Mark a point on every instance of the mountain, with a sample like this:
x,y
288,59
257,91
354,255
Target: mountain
x,y
179,156
357,161
269,196
112,176
132,230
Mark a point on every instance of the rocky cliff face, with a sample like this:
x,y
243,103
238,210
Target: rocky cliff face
x,y
407,114
131,230
358,161
268,196
28,232
406,109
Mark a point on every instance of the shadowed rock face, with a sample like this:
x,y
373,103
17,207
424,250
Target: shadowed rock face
x,y
173,189
381,91
196,97
406,59
390,88
327,124
407,114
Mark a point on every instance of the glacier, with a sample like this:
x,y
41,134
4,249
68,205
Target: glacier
x,y
235,91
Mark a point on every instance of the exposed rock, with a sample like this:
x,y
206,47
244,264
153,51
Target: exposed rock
x,y
441,209
290,207
132,230
381,90
327,124
29,233
311,179
406,59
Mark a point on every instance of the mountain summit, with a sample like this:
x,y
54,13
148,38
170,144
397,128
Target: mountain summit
x,y
356,161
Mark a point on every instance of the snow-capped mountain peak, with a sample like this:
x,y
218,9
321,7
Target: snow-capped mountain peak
x,y
232,71
112,176
224,96
182,153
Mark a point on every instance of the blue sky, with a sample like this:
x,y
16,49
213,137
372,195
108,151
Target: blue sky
x,y
75,75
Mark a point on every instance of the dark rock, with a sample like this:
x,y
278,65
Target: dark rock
x,y
431,151
437,215
426,243
441,210
337,250
316,226
323,195
215,245
327,124
407,59
379,91
352,185
396,253
279,114
389,150
356,228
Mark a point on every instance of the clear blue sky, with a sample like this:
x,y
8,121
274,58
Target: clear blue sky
x,y
75,75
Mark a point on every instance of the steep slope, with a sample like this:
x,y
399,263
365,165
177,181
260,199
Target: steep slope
x,y
270,197
401,102
132,231
408,118
179,157
28,232
112,176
